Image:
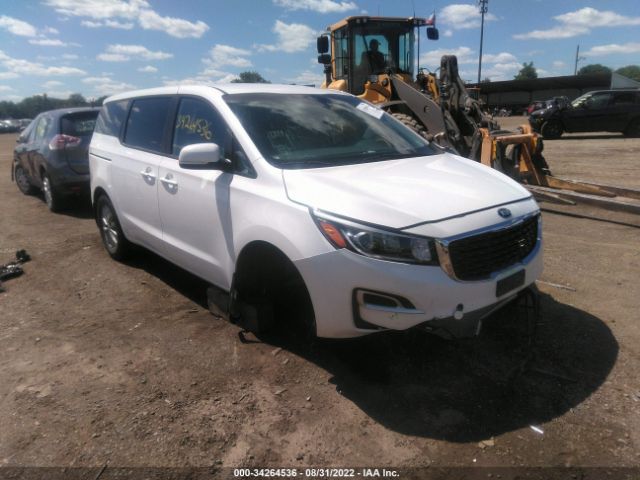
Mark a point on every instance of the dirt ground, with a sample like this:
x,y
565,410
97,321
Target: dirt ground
x,y
121,365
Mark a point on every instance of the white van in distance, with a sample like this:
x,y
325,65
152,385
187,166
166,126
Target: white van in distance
x,y
272,192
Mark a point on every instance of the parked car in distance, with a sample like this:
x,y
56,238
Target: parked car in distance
x,y
598,111
286,195
9,126
52,155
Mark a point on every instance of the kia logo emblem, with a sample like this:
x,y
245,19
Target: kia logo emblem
x,y
504,212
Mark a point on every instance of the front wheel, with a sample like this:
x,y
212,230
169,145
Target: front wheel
x,y
551,129
22,179
111,233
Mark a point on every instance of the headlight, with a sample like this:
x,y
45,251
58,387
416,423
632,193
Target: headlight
x,y
377,243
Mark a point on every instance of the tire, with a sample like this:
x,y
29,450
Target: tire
x,y
22,179
551,129
412,123
52,197
633,129
113,239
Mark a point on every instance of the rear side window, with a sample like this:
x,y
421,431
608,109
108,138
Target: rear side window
x,y
145,126
111,117
78,124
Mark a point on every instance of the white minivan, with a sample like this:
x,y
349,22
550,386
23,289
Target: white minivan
x,y
275,194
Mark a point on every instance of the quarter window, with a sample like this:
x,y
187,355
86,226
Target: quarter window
x,y
198,122
41,129
145,126
111,118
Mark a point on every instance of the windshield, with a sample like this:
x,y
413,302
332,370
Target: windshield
x,y
311,130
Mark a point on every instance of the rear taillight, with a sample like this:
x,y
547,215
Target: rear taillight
x,y
61,141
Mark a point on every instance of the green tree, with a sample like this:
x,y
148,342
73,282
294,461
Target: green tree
x,y
593,68
249,77
76,100
527,72
630,71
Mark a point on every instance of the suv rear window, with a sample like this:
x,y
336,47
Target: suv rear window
x,y
78,124
111,117
145,126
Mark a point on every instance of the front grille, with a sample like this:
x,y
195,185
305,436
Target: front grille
x,y
476,257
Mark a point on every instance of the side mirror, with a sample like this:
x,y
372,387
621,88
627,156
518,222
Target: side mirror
x,y
324,59
323,44
199,155
432,33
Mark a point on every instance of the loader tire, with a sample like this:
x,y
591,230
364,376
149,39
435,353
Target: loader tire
x,y
551,129
412,123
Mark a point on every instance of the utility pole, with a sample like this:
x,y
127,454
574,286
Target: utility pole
x,y
484,8
578,58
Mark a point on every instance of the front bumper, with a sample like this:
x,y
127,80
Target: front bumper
x,y
338,281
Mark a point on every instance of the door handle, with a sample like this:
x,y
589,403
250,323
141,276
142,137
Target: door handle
x,y
169,181
147,174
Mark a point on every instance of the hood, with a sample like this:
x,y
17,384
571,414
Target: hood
x,y
400,193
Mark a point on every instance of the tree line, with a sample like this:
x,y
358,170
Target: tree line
x,y
29,107
528,71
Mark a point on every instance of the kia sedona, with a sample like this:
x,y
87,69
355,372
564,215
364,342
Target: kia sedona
x,y
286,195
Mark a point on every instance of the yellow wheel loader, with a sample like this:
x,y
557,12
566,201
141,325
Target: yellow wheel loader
x,y
375,58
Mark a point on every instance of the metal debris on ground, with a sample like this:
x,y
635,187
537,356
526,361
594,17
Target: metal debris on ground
x,y
557,285
13,269
536,429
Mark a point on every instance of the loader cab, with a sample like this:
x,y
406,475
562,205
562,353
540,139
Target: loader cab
x,y
367,49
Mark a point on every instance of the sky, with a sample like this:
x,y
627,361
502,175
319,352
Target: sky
x,y
102,47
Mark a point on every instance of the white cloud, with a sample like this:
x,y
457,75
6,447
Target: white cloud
x,y
559,64
123,13
432,57
8,75
48,42
590,17
580,22
614,48
503,57
176,27
221,55
308,77
448,33
148,69
5,88
70,56
564,31
105,85
124,53
107,23
460,16
207,76
321,6
51,31
17,27
17,66
293,37
52,84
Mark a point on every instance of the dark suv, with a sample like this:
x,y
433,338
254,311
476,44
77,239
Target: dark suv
x,y
599,111
52,154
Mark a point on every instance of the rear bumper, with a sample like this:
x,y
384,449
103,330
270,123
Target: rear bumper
x,y
67,182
